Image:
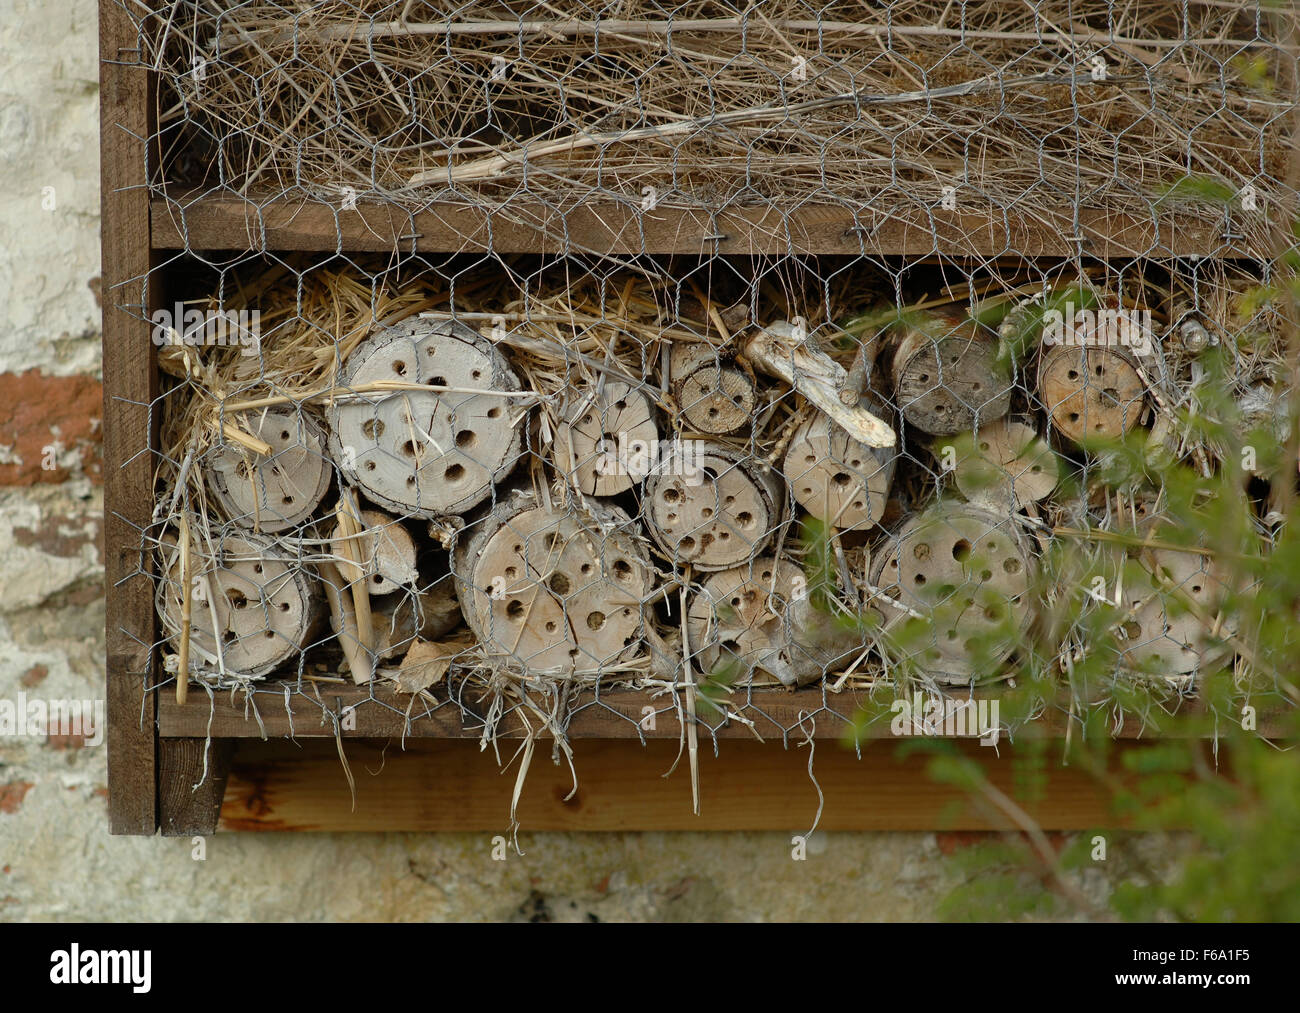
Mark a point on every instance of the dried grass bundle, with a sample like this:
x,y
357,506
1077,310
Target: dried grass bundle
x,y
1015,105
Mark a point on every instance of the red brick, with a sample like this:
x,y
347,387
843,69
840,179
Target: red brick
x,y
53,537
34,676
40,410
12,795
949,841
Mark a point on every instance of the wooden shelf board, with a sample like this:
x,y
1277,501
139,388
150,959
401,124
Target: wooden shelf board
x,y
453,786
227,222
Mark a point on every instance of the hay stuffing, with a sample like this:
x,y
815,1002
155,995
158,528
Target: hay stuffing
x,y
1091,104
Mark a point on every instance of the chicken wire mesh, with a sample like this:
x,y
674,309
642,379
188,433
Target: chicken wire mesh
x,y
512,483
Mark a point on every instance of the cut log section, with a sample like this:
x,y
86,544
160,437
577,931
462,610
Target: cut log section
x,y
439,608
275,491
1170,605
612,439
555,592
834,477
759,618
395,625
710,508
967,570
947,377
253,608
714,396
1004,467
386,552
1158,636
397,620
419,451
1091,392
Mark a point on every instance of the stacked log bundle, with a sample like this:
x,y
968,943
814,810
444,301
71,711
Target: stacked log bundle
x,y
640,496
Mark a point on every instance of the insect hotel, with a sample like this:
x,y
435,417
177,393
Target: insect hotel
x,y
584,395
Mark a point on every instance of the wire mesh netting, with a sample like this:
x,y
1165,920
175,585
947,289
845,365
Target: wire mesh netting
x,y
513,483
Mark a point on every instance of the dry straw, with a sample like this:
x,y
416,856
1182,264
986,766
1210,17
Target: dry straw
x,y
1092,104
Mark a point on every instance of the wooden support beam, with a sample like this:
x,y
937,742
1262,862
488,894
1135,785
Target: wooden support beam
x,y
191,220
130,386
453,786
191,785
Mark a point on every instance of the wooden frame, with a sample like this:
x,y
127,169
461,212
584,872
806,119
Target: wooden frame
x,y
161,775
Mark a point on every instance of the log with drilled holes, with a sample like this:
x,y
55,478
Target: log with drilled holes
x,y
834,477
1170,621
1005,466
276,491
605,442
759,618
1091,391
713,395
429,452
254,608
967,570
711,507
947,376
386,553
553,590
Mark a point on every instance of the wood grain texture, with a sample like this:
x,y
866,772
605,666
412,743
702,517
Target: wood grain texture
x,y
130,385
192,778
452,786
190,220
